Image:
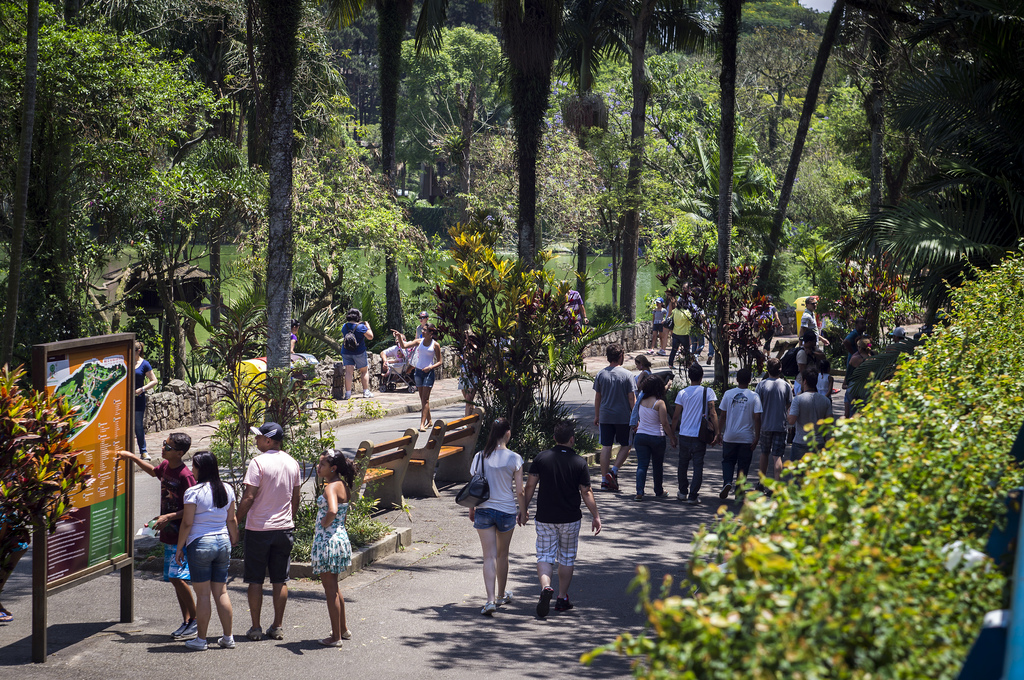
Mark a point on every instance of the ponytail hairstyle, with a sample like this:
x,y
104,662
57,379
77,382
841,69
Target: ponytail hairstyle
x,y
207,470
337,459
499,429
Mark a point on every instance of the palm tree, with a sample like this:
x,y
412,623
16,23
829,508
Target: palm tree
x,y
728,33
593,33
280,56
966,111
668,24
810,103
529,33
28,116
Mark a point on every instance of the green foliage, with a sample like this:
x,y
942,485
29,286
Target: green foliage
x,y
866,289
39,468
840,574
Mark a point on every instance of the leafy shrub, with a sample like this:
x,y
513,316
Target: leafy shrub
x,y
840,574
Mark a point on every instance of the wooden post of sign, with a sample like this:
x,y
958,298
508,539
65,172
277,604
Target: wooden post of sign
x,y
39,593
128,569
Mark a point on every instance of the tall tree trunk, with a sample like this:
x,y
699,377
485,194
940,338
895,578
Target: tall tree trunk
x,y
810,103
280,29
216,300
28,118
256,140
773,121
581,267
467,114
529,34
393,17
879,30
729,32
638,120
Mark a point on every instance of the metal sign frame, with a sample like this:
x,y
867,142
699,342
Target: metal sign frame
x,y
98,346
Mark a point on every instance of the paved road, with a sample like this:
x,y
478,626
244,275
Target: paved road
x,y
414,613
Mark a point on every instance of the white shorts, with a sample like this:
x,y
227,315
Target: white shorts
x,y
557,543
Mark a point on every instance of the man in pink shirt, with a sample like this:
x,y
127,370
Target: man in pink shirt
x,y
270,501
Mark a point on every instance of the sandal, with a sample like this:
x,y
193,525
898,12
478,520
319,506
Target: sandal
x,y
6,616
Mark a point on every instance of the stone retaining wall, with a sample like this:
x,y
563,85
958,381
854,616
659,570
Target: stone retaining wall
x,y
633,339
182,405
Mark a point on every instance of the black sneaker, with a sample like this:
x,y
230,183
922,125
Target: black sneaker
x,y
562,604
544,604
724,493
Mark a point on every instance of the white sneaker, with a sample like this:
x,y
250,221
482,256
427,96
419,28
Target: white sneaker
x,y
226,642
367,394
196,645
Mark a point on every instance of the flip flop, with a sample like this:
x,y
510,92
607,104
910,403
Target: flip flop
x,y
6,616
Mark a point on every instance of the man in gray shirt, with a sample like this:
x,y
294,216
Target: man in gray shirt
x,y
776,395
807,409
613,404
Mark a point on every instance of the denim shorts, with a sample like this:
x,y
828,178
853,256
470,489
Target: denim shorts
x,y
424,378
357,360
208,558
489,517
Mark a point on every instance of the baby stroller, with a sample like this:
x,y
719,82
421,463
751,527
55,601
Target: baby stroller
x,y
397,376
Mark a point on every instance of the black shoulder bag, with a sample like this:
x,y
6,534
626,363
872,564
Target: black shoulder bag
x,y
477,490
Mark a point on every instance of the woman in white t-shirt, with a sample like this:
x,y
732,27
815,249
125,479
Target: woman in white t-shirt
x,y
495,518
426,358
208,530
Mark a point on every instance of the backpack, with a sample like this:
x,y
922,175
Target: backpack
x,y
790,367
351,342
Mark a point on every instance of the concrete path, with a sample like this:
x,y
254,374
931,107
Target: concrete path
x,y
412,614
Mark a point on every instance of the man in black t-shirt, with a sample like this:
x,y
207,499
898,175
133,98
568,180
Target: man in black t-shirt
x,y
564,481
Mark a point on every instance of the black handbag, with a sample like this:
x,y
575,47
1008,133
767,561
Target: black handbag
x,y
707,431
476,491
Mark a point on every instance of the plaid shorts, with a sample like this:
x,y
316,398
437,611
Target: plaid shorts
x,y
773,443
557,543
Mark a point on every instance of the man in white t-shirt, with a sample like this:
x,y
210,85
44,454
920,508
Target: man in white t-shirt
x,y
741,430
691,404
268,508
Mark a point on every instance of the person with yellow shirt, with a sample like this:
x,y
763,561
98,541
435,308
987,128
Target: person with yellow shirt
x,y
681,324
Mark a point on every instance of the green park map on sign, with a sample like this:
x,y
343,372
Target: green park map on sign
x,y
88,387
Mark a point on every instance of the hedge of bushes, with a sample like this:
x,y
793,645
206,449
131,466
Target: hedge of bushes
x,y
841,574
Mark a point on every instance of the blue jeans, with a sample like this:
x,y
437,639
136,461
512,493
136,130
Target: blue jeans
x,y
691,449
677,342
140,431
649,448
208,558
735,456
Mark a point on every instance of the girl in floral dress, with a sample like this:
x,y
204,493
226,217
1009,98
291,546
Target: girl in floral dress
x,y
332,552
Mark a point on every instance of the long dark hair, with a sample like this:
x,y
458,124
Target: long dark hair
x,y
340,462
207,470
499,429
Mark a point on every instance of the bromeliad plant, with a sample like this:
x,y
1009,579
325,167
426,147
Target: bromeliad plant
x,y
39,468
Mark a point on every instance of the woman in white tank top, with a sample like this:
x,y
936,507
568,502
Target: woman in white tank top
x,y
651,432
495,518
426,358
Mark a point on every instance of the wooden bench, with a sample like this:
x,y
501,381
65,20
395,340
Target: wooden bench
x,y
384,468
455,440
458,446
